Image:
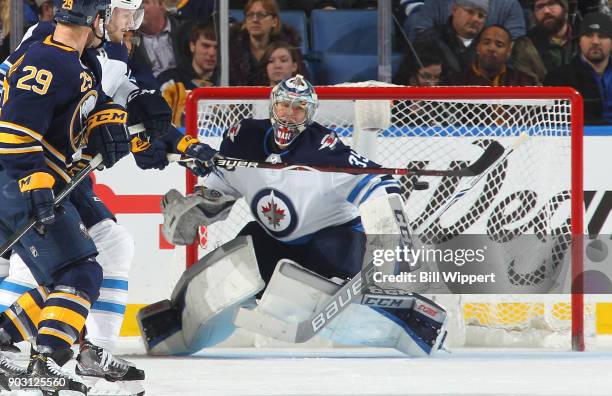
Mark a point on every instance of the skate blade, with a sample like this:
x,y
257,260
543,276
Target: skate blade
x,y
102,387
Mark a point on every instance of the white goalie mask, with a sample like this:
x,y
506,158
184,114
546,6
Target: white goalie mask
x,y
293,103
125,13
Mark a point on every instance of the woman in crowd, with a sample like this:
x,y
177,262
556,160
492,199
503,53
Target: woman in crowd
x,y
249,42
282,62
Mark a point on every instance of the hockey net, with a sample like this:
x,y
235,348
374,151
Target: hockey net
x,y
536,191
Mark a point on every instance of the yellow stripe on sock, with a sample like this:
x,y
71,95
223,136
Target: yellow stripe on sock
x,y
64,315
56,333
31,308
17,323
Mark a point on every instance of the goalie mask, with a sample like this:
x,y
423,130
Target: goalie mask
x,y
293,103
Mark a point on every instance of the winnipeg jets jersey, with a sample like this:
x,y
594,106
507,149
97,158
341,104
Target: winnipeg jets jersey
x,y
292,205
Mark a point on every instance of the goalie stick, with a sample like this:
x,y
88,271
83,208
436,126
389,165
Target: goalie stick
x,y
491,154
351,291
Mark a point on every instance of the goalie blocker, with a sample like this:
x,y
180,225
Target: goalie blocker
x,y
216,295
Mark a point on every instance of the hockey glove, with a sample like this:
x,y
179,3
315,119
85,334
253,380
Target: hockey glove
x,y
108,134
149,155
151,109
202,153
37,190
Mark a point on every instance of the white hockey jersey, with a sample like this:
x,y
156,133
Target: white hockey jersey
x,y
293,205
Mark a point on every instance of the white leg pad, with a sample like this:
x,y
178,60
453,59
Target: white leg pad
x,y
206,297
295,293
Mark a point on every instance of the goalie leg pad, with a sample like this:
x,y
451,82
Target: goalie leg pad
x,y
295,293
205,299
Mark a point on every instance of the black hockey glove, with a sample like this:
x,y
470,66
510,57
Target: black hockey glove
x,y
202,153
108,134
37,190
149,155
151,109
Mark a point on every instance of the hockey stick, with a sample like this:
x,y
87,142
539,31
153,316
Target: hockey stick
x,y
487,158
491,154
70,186
349,293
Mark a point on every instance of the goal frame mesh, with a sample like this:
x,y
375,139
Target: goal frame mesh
x,y
441,93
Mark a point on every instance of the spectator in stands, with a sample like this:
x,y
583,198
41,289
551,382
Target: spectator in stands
x,y
250,40
590,71
507,13
549,43
200,71
456,39
422,67
45,10
159,49
490,68
282,62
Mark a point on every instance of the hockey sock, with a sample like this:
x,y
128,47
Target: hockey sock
x,y
62,319
21,318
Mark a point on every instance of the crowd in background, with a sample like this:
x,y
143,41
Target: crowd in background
x,y
444,42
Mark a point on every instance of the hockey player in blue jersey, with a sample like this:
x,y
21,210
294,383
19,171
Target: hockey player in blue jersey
x,y
115,245
39,150
311,219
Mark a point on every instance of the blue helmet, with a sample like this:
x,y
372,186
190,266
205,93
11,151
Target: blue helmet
x,y
79,12
292,92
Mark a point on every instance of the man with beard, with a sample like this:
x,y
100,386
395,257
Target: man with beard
x,y
549,43
456,39
590,72
493,50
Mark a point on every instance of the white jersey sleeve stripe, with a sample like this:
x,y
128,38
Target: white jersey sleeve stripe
x,y
385,185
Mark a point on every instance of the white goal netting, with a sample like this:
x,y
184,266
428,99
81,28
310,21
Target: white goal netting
x,y
525,206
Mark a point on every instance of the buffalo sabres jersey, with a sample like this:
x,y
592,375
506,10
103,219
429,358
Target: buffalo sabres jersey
x,y
117,81
49,91
292,205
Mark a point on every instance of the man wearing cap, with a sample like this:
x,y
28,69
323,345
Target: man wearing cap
x,y
507,13
549,43
492,53
590,72
455,39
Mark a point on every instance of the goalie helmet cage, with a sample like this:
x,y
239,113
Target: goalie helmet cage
x,y
426,127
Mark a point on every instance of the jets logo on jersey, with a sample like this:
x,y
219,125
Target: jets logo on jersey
x,y
78,124
275,211
233,132
329,141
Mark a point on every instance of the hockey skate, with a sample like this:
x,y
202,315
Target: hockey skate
x,y
95,363
45,372
8,368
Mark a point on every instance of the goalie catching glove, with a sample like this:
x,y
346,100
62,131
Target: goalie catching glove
x,y
107,133
151,109
183,215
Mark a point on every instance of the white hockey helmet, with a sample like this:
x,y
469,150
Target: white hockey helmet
x,y
135,5
295,92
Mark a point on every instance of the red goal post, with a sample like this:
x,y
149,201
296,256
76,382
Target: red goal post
x,y
495,98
